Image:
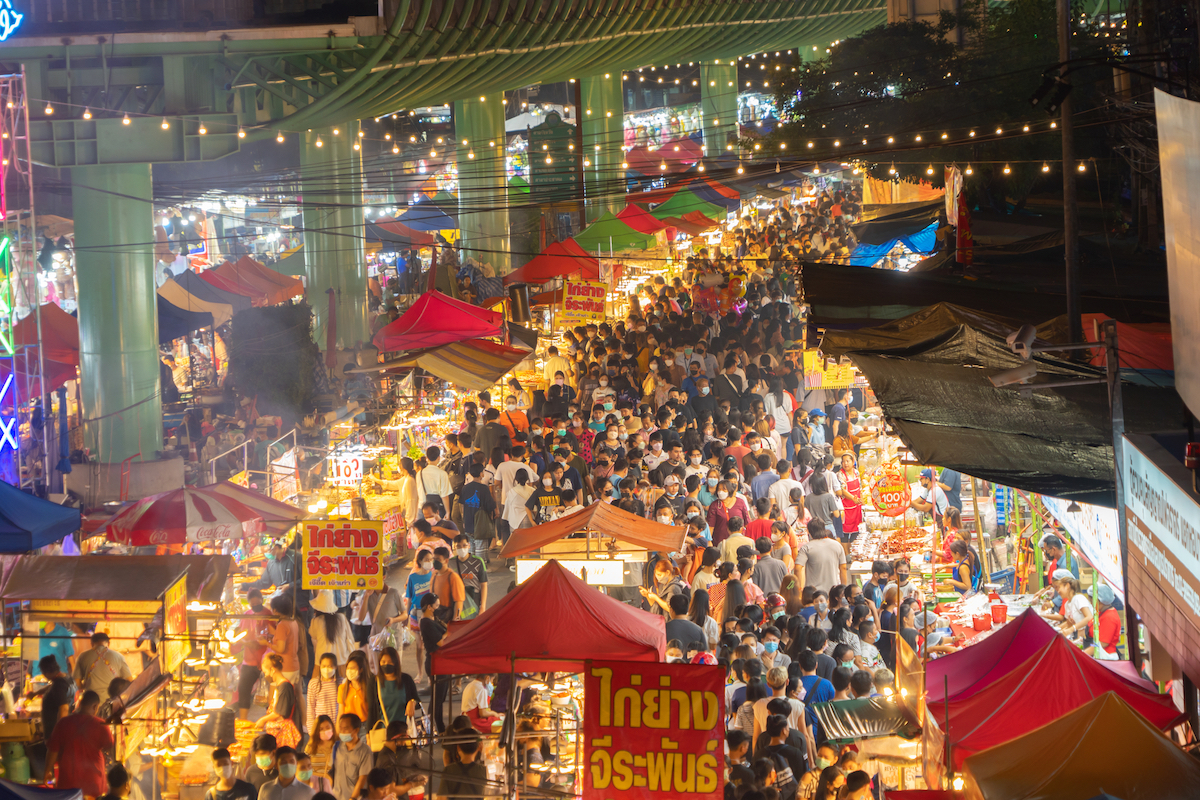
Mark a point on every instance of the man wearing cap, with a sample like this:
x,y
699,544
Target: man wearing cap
x,y
936,642
930,497
818,437
1109,632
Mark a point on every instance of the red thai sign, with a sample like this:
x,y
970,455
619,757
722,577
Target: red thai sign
x,y
653,731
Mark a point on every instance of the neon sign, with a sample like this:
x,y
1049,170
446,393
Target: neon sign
x,y
10,20
8,425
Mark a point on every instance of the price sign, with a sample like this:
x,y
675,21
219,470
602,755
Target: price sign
x,y
346,470
890,491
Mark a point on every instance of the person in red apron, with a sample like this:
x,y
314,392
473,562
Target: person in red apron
x,y
851,496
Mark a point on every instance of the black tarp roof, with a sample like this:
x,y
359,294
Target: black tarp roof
x,y
930,373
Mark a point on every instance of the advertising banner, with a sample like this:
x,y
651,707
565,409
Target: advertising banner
x,y
1097,534
653,731
341,554
345,470
176,644
583,302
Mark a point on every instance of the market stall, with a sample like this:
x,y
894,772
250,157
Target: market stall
x,y
28,522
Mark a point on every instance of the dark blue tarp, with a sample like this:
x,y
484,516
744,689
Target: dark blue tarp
x,y
923,241
16,791
425,215
28,522
710,195
174,322
195,285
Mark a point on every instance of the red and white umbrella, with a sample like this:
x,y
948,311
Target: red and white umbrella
x,y
183,516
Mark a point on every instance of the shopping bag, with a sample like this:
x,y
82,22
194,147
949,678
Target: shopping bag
x,y
377,737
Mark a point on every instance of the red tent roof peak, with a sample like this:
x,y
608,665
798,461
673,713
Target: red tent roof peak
x,y
552,622
436,319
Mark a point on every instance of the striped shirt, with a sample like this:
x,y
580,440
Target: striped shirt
x,y
322,700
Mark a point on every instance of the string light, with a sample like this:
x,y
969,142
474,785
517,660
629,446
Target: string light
x,y
810,145
336,132
624,165
471,154
1007,169
357,146
1082,167
740,170
945,136
124,120
1026,129
999,131
929,171
87,113
972,134
783,145
165,124
892,169
701,167
1045,167
49,108
203,130
891,140
1053,124
918,137
279,137
319,142
968,170
241,133
837,143
395,149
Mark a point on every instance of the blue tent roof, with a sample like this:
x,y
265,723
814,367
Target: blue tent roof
x,y
923,241
426,215
28,522
174,322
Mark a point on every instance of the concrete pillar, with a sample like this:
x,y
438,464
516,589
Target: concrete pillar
x,y
603,131
118,315
718,104
331,186
482,182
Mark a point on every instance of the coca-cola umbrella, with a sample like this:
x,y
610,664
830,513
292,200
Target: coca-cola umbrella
x,y
183,516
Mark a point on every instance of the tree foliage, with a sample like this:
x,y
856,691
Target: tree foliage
x,y
896,82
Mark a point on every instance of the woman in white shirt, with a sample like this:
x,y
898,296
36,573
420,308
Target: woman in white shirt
x,y
476,703
514,501
1076,611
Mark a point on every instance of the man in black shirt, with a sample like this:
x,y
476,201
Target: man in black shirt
x,y
789,762
680,627
407,766
263,767
465,778
432,630
228,786
56,700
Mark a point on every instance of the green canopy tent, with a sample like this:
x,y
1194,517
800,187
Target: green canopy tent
x,y
686,201
518,188
611,234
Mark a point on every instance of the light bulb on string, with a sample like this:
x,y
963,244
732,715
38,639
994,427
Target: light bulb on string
x,y
999,131
968,170
203,130
929,171
1053,124
279,137
357,146
892,169
87,113
49,109
336,132
1082,167
165,124
124,120
1026,129
701,167
1007,169
320,143
241,133
395,149
740,170
816,169
1045,167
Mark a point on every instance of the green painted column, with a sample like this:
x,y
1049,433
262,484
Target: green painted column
x,y
482,182
603,132
718,104
118,314
331,186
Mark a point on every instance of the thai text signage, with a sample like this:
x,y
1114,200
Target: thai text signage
x,y
176,644
653,731
583,302
1097,534
345,470
341,554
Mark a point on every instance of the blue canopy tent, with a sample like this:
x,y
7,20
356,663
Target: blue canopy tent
x,y
17,791
923,241
28,522
174,322
710,195
426,215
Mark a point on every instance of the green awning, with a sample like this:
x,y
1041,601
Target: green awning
x,y
292,263
611,234
685,201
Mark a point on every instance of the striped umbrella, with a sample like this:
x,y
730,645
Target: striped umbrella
x,y
183,516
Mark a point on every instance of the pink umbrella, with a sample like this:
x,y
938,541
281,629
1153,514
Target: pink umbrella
x,y
183,516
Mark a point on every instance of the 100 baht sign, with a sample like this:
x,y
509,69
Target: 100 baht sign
x,y
653,731
341,554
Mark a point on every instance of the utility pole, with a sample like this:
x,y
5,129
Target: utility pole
x,y
1066,125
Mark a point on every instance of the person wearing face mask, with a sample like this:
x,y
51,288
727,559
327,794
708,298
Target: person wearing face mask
x,y
351,759
319,751
394,694
330,631
323,688
473,573
695,464
420,583
252,652
476,703
664,584
228,785
905,587
604,395
546,498
513,418
262,766
353,693
554,365
287,786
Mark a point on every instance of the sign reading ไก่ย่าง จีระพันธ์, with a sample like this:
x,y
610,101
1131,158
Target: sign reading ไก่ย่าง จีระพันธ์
x,y
342,554
653,731
583,303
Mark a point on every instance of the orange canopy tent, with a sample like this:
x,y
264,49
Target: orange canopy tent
x,y
60,338
559,260
603,519
1101,748
275,287
553,622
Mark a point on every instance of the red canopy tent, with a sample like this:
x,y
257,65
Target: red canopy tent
x,y
693,223
278,517
257,294
684,149
1143,347
640,220
1055,681
436,319
558,260
974,668
289,285
418,238
553,622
